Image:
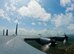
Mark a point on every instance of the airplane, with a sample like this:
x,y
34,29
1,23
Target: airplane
x,y
16,45
50,41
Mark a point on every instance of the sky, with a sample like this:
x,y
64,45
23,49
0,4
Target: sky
x,y
37,16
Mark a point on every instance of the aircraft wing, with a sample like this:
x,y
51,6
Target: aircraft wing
x,y
17,46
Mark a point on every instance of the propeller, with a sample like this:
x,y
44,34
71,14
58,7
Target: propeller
x,y
65,39
47,46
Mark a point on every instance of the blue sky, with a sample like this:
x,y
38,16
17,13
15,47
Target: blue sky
x,y
41,15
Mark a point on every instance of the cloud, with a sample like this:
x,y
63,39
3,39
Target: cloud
x,y
45,24
33,32
64,2
62,20
7,7
68,4
71,8
71,27
39,23
29,32
10,6
57,20
16,21
33,23
17,1
1,12
4,15
34,9
42,23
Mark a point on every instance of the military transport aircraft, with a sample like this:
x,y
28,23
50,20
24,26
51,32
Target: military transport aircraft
x,y
17,44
